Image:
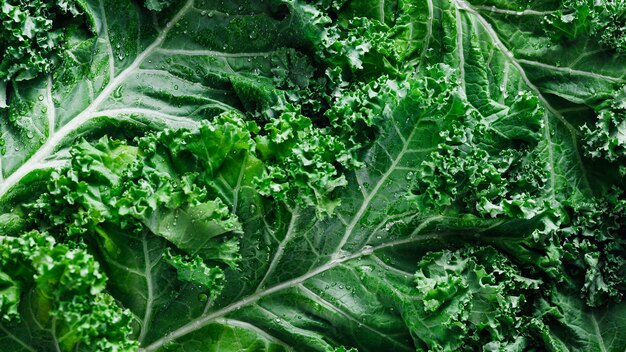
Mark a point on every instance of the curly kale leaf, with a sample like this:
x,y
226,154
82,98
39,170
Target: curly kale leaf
x,y
605,20
606,138
32,36
60,288
472,299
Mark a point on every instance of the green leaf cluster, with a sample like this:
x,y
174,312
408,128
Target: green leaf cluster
x,y
337,176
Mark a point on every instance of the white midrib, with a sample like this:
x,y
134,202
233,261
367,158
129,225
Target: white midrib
x,y
16,339
547,132
51,107
34,162
108,40
429,33
53,333
214,53
512,12
598,332
291,229
206,319
322,301
571,71
138,111
150,288
257,330
357,217
237,188
459,44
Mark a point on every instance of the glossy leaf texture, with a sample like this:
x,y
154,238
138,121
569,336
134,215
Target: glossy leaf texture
x,y
318,176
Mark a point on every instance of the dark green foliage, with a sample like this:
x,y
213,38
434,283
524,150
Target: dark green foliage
x,y
336,176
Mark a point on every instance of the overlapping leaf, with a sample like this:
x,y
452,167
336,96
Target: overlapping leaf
x,y
378,175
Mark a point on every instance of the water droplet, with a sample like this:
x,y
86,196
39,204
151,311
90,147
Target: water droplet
x,y
176,87
40,98
117,93
203,297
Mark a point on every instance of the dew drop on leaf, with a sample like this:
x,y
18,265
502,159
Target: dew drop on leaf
x,y
117,93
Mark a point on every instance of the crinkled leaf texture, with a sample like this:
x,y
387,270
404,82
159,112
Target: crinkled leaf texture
x,y
272,175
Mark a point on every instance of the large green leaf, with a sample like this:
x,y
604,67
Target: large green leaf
x,y
139,72
468,86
